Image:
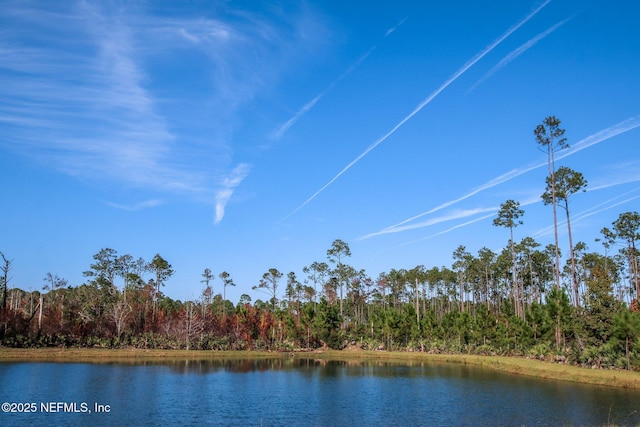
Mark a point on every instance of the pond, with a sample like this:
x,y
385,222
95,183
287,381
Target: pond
x,y
299,392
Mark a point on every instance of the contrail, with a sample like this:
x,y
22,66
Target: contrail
x,y
493,183
517,52
622,127
596,138
420,106
621,181
578,217
285,127
586,214
439,233
595,209
493,213
590,212
391,30
545,230
452,216
444,218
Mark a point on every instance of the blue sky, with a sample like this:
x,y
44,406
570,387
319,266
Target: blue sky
x,y
242,135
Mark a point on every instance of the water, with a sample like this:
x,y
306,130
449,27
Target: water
x,y
300,392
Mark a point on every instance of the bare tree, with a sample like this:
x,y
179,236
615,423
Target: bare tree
x,y
4,268
118,313
192,324
56,285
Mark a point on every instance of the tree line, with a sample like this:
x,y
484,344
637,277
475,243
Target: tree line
x,y
518,301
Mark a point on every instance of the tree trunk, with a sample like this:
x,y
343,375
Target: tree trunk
x,y
5,281
340,284
417,304
634,255
574,279
514,277
627,353
552,176
40,315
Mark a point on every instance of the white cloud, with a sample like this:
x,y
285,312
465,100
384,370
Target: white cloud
x,y
228,185
84,92
78,102
137,206
190,37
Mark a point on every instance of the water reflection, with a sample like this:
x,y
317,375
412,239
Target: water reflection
x,y
329,367
307,391
234,365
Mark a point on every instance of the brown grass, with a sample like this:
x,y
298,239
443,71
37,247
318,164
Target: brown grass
x,y
512,365
100,355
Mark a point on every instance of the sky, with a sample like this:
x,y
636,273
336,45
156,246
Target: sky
x,y
242,136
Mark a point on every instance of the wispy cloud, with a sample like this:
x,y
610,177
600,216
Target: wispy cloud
x,y
228,185
81,99
596,138
630,174
279,133
615,130
90,89
517,52
392,29
593,210
601,207
576,218
137,206
450,229
285,126
298,115
508,176
453,215
617,174
457,214
424,103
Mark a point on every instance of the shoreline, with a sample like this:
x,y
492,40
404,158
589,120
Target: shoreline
x,y
511,365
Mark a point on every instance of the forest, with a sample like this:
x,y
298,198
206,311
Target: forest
x,y
526,300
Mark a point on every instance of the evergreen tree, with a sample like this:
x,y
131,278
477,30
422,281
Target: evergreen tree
x,y
509,217
626,326
566,182
326,325
550,137
600,305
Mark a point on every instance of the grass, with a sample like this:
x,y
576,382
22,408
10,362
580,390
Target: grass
x,y
511,365
102,355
